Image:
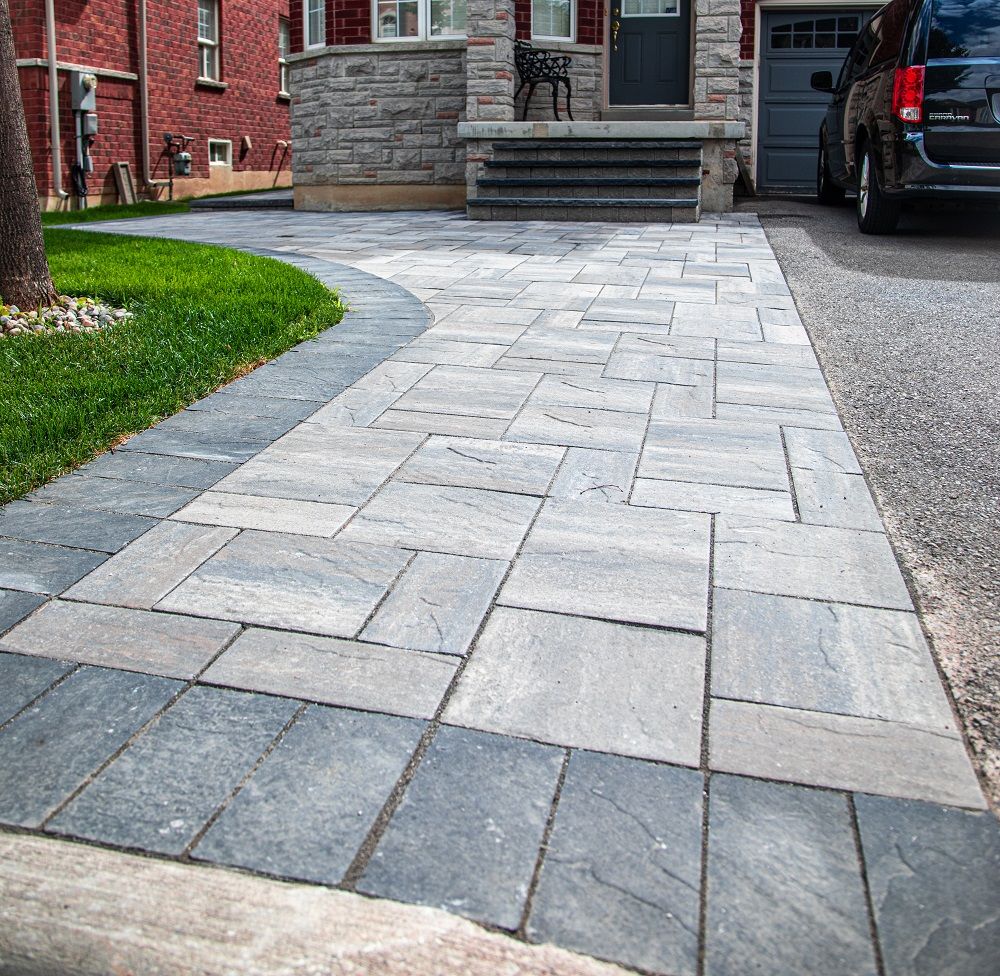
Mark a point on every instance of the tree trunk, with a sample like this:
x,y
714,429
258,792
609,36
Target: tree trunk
x,y
25,279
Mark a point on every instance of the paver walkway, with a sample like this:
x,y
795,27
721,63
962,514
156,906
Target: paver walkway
x,y
570,613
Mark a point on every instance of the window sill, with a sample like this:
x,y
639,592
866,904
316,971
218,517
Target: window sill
x,y
211,83
284,96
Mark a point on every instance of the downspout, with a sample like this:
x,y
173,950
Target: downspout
x,y
50,41
147,175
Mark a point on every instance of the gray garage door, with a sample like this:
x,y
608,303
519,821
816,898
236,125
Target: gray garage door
x,y
793,45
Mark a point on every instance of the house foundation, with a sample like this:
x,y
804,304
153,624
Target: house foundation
x,y
416,123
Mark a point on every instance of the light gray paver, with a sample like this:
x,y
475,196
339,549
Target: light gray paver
x,y
934,876
438,604
634,565
715,452
831,498
267,514
768,353
468,393
818,657
334,672
49,751
570,345
136,640
621,873
462,521
341,465
575,391
293,582
148,569
470,463
718,499
306,811
817,562
22,679
443,424
587,475
608,430
159,793
467,832
427,349
818,450
787,387
843,752
785,894
571,682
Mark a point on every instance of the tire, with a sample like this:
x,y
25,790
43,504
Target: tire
x,y
877,213
827,192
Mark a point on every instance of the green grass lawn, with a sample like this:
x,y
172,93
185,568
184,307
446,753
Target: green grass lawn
x,y
112,211
203,315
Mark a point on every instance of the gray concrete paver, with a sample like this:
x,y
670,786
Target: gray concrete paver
x,y
785,892
559,354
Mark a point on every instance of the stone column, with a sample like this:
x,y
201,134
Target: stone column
x,y
717,31
489,62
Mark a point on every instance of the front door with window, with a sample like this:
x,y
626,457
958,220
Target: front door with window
x,y
650,52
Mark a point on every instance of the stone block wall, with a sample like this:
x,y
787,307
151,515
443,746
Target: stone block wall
x,y
717,32
490,60
379,115
586,76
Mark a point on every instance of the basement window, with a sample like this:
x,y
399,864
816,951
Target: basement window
x,y
208,39
415,20
220,152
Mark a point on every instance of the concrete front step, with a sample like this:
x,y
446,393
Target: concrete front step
x,y
549,157
606,210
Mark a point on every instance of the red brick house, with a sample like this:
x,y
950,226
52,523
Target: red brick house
x,y
212,70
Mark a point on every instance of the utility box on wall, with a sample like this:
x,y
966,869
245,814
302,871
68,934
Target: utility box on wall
x,y
83,89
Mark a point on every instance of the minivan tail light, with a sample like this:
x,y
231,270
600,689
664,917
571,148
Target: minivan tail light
x,y
908,94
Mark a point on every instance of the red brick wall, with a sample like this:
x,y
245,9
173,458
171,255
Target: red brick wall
x,y
102,34
746,41
350,21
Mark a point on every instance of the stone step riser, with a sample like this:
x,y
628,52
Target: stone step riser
x,y
556,156
589,191
542,171
608,215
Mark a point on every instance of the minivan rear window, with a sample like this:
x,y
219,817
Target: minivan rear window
x,y
965,29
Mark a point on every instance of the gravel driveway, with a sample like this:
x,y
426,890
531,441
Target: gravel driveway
x,y
907,329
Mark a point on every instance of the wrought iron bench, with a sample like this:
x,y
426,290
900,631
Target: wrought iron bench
x,y
535,66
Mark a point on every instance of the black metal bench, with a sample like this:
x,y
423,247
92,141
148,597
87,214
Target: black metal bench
x,y
535,66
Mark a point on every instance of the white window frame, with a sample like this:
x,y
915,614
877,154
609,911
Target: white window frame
x,y
282,62
208,47
550,37
423,27
228,143
307,39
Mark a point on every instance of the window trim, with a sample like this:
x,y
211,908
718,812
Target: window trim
x,y
551,37
228,143
423,27
283,72
308,44
212,45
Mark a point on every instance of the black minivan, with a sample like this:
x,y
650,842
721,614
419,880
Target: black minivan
x,y
915,112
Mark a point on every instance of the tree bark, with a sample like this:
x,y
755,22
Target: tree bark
x,y
25,279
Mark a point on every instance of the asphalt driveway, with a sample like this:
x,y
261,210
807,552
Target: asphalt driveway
x,y
907,330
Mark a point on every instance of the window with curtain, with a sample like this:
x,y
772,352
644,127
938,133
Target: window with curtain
x,y
419,19
315,23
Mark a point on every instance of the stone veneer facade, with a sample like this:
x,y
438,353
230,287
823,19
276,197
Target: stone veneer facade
x,y
375,125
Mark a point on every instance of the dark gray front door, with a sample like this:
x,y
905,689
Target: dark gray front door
x,y
650,45
793,45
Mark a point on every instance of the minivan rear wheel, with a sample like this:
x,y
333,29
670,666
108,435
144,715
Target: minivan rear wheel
x,y
827,192
877,213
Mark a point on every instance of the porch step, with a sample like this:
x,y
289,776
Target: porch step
x,y
603,209
626,180
595,144
594,162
